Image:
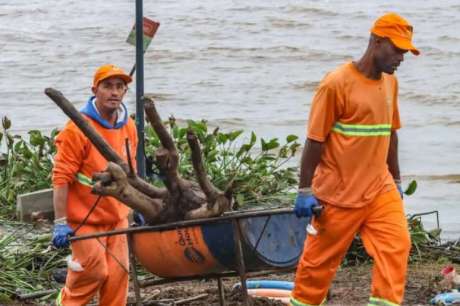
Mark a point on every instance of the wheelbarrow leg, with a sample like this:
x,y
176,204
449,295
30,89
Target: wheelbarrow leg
x,y
240,261
221,291
132,262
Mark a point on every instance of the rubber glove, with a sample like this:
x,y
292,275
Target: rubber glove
x,y
61,235
304,203
138,218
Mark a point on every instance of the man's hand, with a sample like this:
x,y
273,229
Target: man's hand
x,y
304,203
138,218
61,235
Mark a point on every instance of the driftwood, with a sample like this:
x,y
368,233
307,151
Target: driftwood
x,y
181,199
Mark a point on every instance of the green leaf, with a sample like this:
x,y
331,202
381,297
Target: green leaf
x,y
291,138
267,146
6,123
240,198
10,140
253,139
222,138
234,135
1,137
411,188
36,138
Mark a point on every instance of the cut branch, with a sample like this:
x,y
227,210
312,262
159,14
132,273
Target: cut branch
x,y
208,188
167,157
85,127
157,125
114,182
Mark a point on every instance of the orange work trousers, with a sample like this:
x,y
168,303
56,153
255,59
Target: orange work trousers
x,y
105,262
383,229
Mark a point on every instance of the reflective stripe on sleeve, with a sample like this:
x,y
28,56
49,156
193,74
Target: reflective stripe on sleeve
x,y
84,180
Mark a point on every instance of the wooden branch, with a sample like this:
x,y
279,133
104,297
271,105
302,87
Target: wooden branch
x,y
119,188
85,127
208,188
167,157
101,145
155,121
217,208
168,166
191,299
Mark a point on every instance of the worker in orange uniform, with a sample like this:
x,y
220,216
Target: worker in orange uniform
x,y
98,266
350,167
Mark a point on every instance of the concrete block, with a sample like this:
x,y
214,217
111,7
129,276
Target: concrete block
x,y
35,205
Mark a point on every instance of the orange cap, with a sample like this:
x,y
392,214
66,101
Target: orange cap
x,y
107,71
397,29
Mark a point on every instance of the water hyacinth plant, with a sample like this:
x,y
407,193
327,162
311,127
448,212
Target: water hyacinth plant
x,y
258,171
25,166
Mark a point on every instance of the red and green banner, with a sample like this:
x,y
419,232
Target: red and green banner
x,y
150,27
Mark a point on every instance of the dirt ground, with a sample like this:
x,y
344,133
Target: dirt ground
x,y
351,287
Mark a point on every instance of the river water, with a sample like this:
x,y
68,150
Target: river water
x,y
243,64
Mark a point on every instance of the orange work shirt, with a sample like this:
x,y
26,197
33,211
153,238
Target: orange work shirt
x,y
76,161
353,116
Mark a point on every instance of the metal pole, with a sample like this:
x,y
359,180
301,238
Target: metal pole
x,y
140,154
240,265
133,271
220,286
180,224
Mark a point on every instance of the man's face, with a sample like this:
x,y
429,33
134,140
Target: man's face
x,y
388,56
109,93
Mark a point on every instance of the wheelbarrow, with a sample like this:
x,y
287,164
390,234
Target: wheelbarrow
x,y
235,244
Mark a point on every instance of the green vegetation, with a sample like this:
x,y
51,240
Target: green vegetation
x,y
27,262
259,174
25,166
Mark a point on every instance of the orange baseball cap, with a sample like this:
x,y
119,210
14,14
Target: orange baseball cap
x,y
397,29
107,71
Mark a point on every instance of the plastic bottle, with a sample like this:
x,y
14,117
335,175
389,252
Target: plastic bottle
x,y
446,298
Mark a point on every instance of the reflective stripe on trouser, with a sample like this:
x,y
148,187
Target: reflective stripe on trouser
x,y
294,302
59,298
380,302
383,229
102,272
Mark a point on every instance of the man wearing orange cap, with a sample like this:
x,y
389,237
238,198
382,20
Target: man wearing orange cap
x,y
96,265
350,167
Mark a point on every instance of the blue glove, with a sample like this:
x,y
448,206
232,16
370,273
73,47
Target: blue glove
x,y
138,218
400,190
304,204
61,235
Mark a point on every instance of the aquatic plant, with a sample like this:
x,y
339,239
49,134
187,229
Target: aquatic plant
x,y
25,165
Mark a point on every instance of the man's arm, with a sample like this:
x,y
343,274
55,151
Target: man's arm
x,y
311,156
60,201
392,160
